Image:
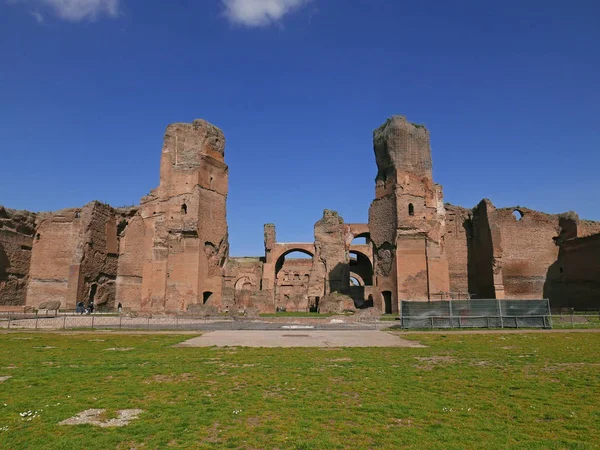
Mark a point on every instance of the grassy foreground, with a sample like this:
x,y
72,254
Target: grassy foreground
x,y
463,391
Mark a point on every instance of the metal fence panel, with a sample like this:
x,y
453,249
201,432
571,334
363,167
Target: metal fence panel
x,y
476,313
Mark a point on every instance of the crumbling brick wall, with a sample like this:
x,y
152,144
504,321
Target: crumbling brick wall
x,y
576,281
17,231
458,234
241,280
74,257
184,239
528,250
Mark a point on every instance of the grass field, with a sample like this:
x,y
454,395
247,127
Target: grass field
x,y
463,391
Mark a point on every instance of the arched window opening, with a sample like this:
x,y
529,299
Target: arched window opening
x,y
360,264
206,297
518,215
411,209
184,209
361,239
354,281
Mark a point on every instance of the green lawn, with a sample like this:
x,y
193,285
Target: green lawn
x,y
463,391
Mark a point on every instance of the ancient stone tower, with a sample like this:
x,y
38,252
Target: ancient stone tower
x,y
407,217
173,251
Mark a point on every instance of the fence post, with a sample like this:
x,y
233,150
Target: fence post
x,y
120,321
432,322
65,322
148,322
572,324
487,321
92,322
459,322
500,314
516,322
36,321
450,309
176,322
9,315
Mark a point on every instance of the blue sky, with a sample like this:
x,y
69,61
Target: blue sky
x,y
509,90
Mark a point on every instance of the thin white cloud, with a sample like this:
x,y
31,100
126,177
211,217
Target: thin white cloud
x,y
37,16
258,13
75,10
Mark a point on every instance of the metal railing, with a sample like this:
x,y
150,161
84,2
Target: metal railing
x,y
33,321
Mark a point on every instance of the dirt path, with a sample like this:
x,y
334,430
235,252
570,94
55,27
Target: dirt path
x,y
299,338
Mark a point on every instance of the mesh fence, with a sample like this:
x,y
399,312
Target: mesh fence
x,y
33,321
476,313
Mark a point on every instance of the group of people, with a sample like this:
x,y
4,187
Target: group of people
x,y
80,308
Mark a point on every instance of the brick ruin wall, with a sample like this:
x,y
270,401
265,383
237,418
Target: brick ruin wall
x,y
576,281
172,251
528,250
515,253
17,231
457,224
75,257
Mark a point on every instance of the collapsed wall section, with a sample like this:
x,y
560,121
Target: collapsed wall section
x,y
17,232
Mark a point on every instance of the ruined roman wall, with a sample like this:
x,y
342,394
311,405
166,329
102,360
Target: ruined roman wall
x,y
17,231
74,257
576,282
242,283
407,217
528,250
458,232
181,227
485,259
331,263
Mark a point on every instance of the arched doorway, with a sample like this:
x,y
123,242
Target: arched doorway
x,y
387,302
292,275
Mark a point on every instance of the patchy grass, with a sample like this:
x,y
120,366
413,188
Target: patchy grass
x,y
525,391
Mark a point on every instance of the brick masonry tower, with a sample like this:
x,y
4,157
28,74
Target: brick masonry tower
x,y
173,253
407,217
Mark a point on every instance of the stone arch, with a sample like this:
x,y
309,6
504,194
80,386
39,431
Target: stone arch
x,y
243,284
362,266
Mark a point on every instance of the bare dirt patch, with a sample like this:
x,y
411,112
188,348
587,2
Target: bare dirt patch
x,y
119,349
170,378
95,417
429,362
3,379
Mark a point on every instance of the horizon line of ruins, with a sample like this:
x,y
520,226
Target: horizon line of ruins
x,y
172,250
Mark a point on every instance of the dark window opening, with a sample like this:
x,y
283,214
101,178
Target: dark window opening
x,y
411,209
38,236
206,297
315,306
184,209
